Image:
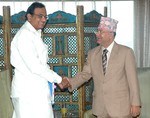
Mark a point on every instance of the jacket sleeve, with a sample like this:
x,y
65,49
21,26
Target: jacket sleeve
x,y
131,72
83,76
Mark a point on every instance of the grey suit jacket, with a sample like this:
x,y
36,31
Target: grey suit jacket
x,y
119,88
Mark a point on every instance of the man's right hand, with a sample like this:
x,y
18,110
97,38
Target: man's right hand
x,y
65,83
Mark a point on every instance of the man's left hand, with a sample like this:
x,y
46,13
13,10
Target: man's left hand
x,y
135,111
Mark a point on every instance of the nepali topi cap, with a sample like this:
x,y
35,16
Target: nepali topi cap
x,y
108,24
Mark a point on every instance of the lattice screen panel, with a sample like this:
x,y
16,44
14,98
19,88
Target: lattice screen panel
x,y
62,44
2,49
89,43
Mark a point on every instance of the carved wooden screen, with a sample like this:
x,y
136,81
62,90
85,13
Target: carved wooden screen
x,y
61,38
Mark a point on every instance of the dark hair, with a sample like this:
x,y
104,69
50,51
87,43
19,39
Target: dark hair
x,y
32,7
114,34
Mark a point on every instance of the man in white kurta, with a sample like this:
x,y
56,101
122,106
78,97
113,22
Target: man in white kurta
x,y
29,55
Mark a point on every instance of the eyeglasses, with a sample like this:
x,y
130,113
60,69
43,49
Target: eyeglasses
x,y
40,16
101,32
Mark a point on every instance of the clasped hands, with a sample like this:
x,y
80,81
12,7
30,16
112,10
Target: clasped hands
x,y
65,83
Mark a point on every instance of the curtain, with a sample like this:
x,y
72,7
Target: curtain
x,y
142,32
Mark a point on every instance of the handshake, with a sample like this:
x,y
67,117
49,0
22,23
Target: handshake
x,y
65,83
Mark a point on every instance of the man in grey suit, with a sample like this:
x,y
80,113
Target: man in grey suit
x,y
116,87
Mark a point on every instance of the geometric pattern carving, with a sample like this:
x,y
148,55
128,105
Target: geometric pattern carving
x,y
2,65
48,41
1,31
72,44
72,107
59,30
75,96
90,29
74,70
53,60
14,30
62,98
89,90
88,95
89,42
1,47
70,60
56,106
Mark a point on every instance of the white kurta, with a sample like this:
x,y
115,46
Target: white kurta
x,y
29,56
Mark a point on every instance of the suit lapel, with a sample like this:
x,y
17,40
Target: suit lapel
x,y
98,63
111,62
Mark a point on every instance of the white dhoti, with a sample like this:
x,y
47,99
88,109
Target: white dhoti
x,y
31,109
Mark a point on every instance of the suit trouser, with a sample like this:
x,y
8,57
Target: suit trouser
x,y
114,117
106,115
29,109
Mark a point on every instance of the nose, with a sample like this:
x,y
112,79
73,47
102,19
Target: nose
x,y
97,34
44,19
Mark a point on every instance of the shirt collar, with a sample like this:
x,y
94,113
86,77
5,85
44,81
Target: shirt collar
x,y
109,48
31,28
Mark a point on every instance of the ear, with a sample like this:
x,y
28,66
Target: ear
x,y
111,36
29,17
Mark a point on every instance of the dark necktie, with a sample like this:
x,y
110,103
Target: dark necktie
x,y
104,60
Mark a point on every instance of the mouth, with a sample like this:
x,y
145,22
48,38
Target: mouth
x,y
42,24
99,38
